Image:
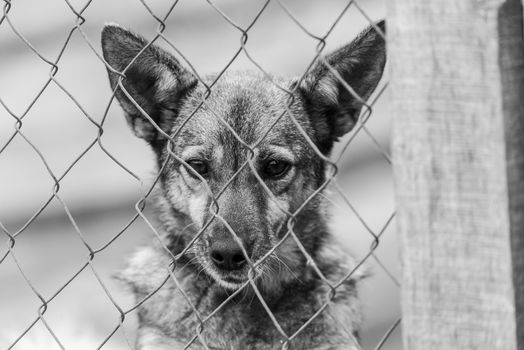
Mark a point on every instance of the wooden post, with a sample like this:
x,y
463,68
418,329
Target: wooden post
x,y
457,94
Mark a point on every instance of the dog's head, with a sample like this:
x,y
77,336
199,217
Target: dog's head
x,y
238,165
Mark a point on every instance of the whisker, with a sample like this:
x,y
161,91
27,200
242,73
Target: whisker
x,y
283,263
190,261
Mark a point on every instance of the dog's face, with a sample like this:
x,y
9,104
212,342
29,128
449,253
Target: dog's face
x,y
252,170
238,166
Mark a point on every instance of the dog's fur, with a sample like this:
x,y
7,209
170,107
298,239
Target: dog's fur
x,y
198,165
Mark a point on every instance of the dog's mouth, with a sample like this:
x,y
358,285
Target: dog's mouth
x,y
232,279
230,268
231,282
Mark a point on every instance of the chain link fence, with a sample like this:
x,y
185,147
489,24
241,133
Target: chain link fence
x,y
72,188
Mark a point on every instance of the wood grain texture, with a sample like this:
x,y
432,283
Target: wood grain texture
x,y
457,94
511,58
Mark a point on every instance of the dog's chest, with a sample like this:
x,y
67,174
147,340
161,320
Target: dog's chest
x,y
240,323
184,306
237,324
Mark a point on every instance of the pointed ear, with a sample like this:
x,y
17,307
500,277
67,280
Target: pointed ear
x,y
332,107
155,80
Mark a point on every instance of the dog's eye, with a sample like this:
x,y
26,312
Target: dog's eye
x,y
276,168
199,166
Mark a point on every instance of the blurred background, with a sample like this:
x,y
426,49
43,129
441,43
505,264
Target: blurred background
x,y
57,137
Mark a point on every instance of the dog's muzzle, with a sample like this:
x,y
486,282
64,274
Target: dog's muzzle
x,y
227,256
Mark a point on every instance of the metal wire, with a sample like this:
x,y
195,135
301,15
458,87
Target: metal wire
x,y
215,214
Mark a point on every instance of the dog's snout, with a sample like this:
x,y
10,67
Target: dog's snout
x,y
227,255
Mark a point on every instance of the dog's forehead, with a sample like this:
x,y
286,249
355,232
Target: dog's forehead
x,y
241,108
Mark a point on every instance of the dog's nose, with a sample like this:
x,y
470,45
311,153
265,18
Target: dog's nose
x,y
227,255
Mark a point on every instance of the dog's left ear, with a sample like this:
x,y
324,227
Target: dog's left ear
x,y
332,107
154,79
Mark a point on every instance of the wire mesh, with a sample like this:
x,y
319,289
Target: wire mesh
x,y
163,19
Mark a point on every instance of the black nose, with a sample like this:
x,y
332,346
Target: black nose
x,y
227,255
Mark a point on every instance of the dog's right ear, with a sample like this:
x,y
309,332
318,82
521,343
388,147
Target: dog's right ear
x,y
155,80
333,108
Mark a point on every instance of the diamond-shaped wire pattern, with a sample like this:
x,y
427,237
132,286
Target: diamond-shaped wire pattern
x,y
57,195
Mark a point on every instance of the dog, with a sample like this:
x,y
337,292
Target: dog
x,y
245,253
